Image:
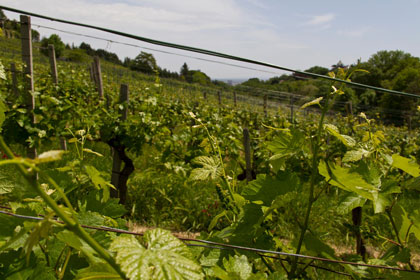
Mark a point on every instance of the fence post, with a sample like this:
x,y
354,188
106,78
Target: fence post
x,y
116,164
409,122
265,105
53,63
14,79
92,73
247,149
205,94
357,222
26,39
350,108
219,97
98,76
235,100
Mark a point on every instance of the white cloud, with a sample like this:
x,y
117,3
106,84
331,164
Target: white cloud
x,y
321,19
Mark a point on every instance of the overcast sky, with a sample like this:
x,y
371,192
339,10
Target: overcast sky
x,y
295,34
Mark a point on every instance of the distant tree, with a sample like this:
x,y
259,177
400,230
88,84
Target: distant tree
x,y
127,62
339,64
108,56
318,70
185,73
308,90
253,82
199,77
164,73
2,15
55,40
144,62
87,48
184,69
77,55
35,35
395,70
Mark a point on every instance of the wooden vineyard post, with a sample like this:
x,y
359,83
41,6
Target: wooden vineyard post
x,y
119,177
98,76
92,73
124,98
53,63
350,104
26,40
235,100
356,214
14,79
409,122
247,149
219,97
265,105
205,94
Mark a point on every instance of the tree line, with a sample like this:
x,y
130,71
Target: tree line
x,y
395,70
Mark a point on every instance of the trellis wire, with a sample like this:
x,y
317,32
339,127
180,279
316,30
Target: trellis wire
x,y
213,244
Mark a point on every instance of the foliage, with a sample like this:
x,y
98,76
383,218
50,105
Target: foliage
x,y
54,40
144,62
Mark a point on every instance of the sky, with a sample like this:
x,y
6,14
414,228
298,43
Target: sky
x,y
295,34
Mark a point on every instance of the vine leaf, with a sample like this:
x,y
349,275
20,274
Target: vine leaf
x,y
164,257
405,164
236,268
313,102
210,169
406,223
41,230
72,240
347,180
92,152
355,155
98,181
345,139
6,185
286,144
99,270
49,156
315,245
266,188
349,202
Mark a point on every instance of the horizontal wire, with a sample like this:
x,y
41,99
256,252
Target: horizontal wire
x,y
311,265
207,52
152,49
217,244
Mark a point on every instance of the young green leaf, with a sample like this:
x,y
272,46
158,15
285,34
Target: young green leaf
x,y
92,152
211,168
405,164
345,139
347,180
349,202
266,188
49,156
313,102
355,155
164,257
